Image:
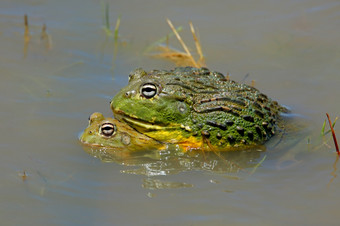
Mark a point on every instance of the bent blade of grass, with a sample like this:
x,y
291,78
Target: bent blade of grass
x,y
323,133
117,29
323,128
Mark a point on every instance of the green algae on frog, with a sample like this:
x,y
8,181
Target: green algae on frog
x,y
110,133
197,108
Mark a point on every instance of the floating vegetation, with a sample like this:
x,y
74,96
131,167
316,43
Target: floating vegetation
x,y
178,57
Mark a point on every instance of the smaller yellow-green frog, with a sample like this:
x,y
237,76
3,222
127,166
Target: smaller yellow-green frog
x,y
110,133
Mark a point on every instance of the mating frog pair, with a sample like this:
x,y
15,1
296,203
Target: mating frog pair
x,y
194,108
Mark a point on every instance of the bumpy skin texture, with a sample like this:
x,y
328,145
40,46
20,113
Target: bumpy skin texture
x,y
110,133
197,108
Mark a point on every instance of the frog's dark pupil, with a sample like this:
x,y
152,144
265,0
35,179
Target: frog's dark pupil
x,y
148,90
107,129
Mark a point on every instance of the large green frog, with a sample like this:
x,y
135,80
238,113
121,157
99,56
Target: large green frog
x,y
197,108
110,133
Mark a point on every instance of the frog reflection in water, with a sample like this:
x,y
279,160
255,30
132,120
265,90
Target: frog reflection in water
x,y
197,108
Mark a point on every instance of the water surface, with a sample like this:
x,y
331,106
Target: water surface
x,y
291,50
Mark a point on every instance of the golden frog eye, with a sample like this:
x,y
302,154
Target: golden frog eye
x,y
148,90
107,129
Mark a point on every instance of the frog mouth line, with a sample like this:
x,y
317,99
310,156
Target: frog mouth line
x,y
134,122
89,143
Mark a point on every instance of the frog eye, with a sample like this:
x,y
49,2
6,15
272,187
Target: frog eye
x,y
107,129
148,90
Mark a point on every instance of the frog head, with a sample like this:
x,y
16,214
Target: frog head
x,y
153,105
110,133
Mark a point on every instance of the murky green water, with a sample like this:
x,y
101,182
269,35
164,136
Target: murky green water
x,y
291,50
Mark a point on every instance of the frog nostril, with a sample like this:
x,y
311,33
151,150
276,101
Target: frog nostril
x,y
129,93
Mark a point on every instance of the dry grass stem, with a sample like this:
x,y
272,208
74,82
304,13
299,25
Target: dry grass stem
x,y
182,43
197,43
27,32
180,58
27,35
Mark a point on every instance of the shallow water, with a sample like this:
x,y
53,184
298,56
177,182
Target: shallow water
x,y
290,48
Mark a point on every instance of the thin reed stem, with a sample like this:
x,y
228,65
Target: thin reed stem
x,y
333,134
